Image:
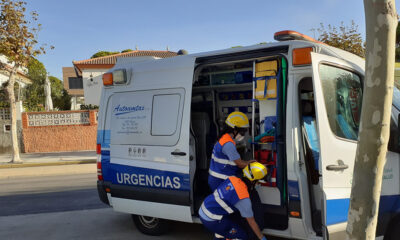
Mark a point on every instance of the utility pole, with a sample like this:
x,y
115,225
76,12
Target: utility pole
x,y
381,23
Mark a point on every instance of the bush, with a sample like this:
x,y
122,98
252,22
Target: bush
x,y
89,107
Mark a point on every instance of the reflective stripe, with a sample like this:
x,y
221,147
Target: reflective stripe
x,y
261,169
217,175
218,236
223,161
210,215
222,203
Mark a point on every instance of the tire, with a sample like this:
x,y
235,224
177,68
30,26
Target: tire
x,y
393,232
150,225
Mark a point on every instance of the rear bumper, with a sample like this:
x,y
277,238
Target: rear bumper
x,y
101,190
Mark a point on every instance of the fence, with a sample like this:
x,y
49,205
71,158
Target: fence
x,y
59,131
5,114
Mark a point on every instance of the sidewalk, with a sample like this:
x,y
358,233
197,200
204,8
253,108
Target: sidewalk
x,y
48,159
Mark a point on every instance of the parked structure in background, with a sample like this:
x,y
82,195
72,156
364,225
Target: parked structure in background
x,y
73,84
90,72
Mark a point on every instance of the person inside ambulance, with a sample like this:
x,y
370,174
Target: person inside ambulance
x,y
217,212
225,159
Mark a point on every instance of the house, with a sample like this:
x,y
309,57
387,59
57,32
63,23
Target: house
x,y
72,80
92,70
21,78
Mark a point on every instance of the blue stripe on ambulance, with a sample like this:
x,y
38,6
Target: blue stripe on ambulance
x,y
145,177
337,209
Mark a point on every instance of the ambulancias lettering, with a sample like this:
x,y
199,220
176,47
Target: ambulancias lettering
x,y
118,110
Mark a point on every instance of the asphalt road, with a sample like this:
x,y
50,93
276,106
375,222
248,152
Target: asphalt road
x,y
67,207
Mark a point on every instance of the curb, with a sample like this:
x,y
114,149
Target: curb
x,y
42,164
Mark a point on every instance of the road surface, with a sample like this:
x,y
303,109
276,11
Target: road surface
x,y
67,207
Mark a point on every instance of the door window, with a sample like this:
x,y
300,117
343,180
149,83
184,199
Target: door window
x,y
342,91
165,114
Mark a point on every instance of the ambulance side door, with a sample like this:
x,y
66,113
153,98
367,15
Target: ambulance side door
x,y
338,95
149,150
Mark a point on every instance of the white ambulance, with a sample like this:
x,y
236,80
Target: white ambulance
x,y
159,119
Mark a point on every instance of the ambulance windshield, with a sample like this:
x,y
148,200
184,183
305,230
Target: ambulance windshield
x,y
342,91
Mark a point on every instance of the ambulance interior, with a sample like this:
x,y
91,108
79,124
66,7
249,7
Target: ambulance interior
x,y
310,149
222,88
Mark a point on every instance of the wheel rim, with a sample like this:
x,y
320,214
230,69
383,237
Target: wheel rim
x,y
148,222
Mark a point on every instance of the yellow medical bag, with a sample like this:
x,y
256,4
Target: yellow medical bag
x,y
266,69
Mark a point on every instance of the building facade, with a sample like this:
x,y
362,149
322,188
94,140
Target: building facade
x,y
72,80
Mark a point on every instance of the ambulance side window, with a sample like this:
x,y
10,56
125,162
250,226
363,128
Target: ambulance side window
x,y
164,120
343,96
393,145
394,141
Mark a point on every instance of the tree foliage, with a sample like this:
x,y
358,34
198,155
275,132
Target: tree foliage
x,y
61,98
34,93
398,42
108,53
103,54
17,34
344,37
126,50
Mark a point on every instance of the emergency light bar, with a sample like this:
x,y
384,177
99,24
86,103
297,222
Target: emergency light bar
x,y
288,35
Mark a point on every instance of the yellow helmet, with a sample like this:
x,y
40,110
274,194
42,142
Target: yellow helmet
x,y
255,171
237,119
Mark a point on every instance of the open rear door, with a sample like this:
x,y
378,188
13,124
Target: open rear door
x,y
338,96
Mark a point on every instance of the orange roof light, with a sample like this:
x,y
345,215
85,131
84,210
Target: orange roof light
x,y
302,56
288,35
107,79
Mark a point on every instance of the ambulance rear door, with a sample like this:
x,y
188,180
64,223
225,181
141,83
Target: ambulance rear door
x,y
149,140
338,95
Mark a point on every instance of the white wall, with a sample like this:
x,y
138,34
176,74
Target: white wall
x,y
92,89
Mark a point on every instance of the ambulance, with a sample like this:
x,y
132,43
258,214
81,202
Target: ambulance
x,y
160,118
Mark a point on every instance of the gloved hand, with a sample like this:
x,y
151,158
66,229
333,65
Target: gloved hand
x,y
264,238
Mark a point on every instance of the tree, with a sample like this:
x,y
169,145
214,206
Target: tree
x,y
102,54
126,50
59,95
381,21
344,37
17,42
34,93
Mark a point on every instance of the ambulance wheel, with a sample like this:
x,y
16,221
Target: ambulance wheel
x,y
393,232
150,225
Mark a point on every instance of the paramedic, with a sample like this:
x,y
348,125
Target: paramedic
x,y
225,160
216,212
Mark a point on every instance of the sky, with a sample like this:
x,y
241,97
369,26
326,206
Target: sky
x,y
79,28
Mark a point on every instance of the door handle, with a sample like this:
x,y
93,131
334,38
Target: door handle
x,y
178,153
339,167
